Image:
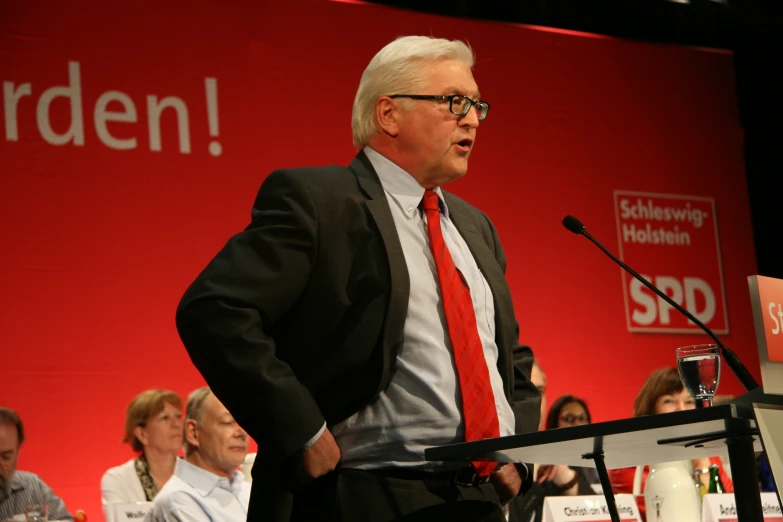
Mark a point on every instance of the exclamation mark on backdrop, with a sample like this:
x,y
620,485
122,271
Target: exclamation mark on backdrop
x,y
215,148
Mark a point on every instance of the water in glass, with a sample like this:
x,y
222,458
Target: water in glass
x,y
36,513
700,374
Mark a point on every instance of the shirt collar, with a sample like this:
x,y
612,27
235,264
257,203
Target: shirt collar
x,y
205,481
400,185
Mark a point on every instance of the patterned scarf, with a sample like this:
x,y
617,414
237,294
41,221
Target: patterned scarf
x,y
147,483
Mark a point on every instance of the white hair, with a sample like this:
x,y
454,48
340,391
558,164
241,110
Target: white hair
x,y
397,68
194,410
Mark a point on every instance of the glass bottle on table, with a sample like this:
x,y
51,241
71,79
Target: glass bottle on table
x,y
716,486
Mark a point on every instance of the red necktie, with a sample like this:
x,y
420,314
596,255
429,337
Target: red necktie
x,y
478,401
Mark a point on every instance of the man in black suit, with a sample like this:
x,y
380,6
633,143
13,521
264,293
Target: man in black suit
x,y
322,327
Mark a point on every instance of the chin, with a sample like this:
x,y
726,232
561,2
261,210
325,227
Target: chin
x,y
459,168
457,173
234,464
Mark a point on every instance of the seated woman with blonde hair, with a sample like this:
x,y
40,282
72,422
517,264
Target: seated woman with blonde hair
x,y
663,392
153,429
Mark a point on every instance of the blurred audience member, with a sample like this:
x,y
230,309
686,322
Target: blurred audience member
x,y
538,378
568,411
206,486
766,480
663,392
553,480
21,488
153,428
3,486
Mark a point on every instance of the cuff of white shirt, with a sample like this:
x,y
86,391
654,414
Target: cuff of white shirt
x,y
525,475
309,444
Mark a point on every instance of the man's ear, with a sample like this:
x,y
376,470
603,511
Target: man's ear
x,y
387,114
191,432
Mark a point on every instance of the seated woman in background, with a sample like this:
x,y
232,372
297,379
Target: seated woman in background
x,y
567,411
663,392
153,428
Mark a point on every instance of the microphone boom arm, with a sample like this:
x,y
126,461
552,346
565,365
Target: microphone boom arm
x,y
731,358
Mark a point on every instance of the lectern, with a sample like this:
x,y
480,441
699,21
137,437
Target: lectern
x,y
753,422
728,431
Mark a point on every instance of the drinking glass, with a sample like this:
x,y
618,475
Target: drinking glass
x,y
699,367
36,513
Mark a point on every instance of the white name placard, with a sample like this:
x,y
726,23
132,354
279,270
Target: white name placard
x,y
132,512
591,508
724,509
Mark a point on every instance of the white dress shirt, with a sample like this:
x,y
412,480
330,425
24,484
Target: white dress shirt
x,y
194,494
422,406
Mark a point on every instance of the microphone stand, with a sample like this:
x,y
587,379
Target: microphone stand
x,y
742,373
739,434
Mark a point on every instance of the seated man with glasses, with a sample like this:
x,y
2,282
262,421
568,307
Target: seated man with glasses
x,y
364,315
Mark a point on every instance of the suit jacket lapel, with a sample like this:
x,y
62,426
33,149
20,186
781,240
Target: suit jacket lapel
x,y
378,207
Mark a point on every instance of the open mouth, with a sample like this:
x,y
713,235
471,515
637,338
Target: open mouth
x,y
465,144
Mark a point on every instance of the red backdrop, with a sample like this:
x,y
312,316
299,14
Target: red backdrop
x,y
102,234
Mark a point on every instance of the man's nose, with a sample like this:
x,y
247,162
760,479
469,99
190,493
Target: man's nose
x,y
471,119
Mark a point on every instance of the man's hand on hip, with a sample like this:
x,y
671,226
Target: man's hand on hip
x,y
507,483
319,459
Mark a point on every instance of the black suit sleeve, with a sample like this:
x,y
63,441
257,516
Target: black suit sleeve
x,y
226,316
526,399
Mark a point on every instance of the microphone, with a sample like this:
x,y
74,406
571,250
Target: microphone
x,y
742,373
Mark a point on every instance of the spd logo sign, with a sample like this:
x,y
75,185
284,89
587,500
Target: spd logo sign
x,y
672,241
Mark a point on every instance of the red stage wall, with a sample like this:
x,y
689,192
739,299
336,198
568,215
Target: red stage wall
x,y
113,197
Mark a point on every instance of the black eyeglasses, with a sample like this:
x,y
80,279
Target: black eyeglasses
x,y
458,104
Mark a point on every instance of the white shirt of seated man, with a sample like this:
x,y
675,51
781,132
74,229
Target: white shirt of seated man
x,y
206,485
